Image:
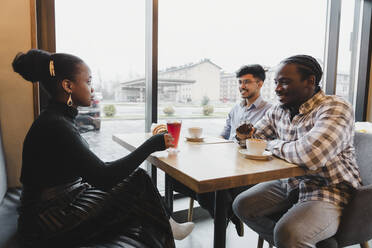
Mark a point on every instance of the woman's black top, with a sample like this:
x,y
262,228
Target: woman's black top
x,y
54,153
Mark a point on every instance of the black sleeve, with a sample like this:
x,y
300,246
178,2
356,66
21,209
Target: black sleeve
x,y
93,170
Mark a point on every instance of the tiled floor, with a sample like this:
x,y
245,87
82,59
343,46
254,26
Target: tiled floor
x,y
202,237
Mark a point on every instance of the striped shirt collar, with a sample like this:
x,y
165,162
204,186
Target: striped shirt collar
x,y
258,103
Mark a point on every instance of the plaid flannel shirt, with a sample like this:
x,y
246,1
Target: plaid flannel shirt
x,y
320,137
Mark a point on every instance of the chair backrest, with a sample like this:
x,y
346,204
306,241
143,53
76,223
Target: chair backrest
x,y
3,175
363,150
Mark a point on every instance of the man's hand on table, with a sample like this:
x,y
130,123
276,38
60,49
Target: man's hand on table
x,y
243,132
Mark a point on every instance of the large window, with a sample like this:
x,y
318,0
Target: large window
x,y
110,37
202,44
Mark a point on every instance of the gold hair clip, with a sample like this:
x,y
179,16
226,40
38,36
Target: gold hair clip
x,y
51,68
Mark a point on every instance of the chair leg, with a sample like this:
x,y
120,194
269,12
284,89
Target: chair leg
x,y
191,209
260,242
364,245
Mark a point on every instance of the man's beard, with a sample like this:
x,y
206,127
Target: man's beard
x,y
250,95
285,106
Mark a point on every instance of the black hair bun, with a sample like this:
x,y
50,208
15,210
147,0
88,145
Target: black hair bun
x,y
33,65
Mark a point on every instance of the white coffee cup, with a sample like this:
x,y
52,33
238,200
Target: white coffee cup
x,y
256,146
195,132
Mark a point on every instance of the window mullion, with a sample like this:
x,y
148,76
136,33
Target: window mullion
x,y
331,47
151,63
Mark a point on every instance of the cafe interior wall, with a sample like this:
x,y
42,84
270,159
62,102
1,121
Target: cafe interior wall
x,y
16,95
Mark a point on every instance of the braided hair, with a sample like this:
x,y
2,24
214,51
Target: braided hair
x,y
307,66
34,66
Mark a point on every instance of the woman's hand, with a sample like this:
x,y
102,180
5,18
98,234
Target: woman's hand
x,y
168,140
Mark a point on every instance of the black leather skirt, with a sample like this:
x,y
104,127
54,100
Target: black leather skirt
x,y
77,214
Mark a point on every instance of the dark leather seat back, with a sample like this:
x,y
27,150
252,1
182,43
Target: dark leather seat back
x,y
363,150
356,222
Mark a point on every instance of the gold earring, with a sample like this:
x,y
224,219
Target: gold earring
x,y
69,101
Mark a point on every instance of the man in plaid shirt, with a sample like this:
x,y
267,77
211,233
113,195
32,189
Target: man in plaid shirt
x,y
316,132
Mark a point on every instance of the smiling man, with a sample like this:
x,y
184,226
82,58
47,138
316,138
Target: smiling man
x,y
314,131
252,107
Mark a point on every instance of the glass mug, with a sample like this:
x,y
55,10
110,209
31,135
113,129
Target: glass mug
x,y
174,129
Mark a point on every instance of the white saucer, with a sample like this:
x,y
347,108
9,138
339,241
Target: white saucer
x,y
194,139
266,155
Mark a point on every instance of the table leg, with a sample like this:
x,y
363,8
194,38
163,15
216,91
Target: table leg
x,y
220,220
154,175
168,192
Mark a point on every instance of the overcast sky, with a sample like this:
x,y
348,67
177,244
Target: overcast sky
x,y
110,34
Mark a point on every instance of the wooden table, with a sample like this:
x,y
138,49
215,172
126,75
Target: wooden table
x,y
212,167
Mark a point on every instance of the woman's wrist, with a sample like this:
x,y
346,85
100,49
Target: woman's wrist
x,y
158,142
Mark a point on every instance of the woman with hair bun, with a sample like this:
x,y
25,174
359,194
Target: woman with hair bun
x,y
70,197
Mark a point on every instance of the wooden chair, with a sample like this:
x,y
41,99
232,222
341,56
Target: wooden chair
x,y
261,242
